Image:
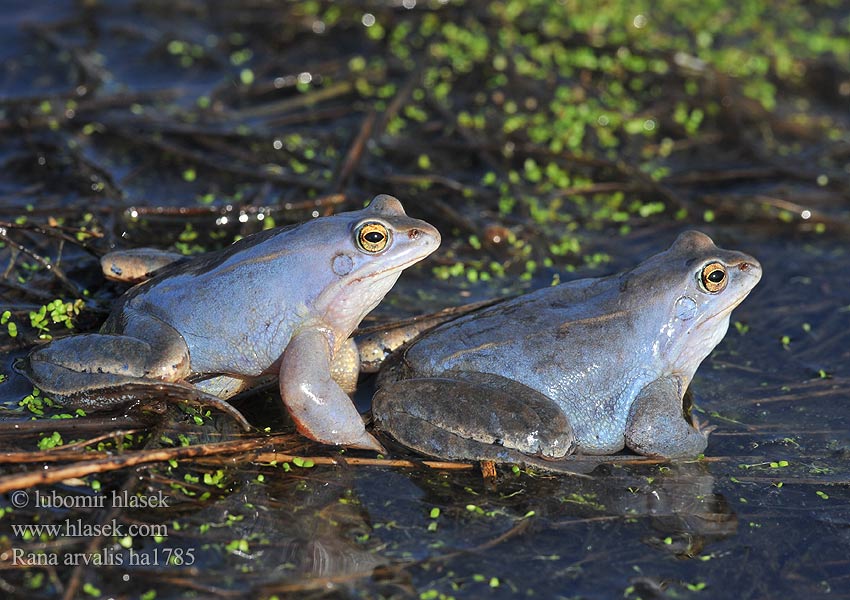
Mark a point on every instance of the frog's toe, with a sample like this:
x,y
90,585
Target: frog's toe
x,y
475,417
703,427
367,442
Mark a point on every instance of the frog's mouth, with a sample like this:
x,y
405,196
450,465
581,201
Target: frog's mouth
x,y
751,269
725,313
381,273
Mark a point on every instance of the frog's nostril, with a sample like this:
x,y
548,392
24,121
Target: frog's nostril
x,y
414,234
745,266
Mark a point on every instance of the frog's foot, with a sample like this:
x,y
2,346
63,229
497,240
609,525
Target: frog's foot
x,y
182,393
225,386
376,343
137,264
474,417
656,427
75,370
703,427
321,410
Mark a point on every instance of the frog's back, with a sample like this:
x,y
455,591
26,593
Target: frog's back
x,y
536,336
253,295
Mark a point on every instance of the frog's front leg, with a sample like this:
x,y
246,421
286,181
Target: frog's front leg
x,y
657,427
345,368
76,370
322,411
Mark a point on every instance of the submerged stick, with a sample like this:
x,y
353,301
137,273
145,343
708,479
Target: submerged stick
x,y
248,449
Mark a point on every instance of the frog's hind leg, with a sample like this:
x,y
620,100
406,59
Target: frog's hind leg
x,y
474,417
81,363
74,370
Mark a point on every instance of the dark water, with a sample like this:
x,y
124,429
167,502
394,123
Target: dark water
x,y
191,115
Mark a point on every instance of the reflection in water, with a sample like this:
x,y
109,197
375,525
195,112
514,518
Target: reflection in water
x,y
312,534
678,501
687,512
610,526
327,557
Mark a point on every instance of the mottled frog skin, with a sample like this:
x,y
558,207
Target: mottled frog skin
x,y
586,367
282,301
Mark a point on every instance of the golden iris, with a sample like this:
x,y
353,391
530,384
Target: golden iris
x,y
714,277
372,237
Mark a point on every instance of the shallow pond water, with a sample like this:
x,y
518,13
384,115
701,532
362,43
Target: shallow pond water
x,y
547,143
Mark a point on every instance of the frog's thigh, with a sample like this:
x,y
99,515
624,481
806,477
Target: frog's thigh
x,y
322,411
77,369
167,355
472,419
345,367
78,364
656,426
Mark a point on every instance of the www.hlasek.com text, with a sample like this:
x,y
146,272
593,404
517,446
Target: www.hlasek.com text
x,y
79,528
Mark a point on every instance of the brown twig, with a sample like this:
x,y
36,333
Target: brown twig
x,y
130,459
399,100
355,153
279,107
66,426
69,285
248,450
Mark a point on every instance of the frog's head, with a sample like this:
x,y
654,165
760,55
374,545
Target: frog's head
x,y
690,291
378,242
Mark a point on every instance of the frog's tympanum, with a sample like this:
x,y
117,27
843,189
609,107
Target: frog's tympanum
x,y
280,301
585,367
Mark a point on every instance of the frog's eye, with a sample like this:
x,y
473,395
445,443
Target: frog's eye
x,y
372,237
713,277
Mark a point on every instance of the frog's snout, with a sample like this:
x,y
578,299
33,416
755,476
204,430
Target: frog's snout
x,y
751,267
425,232
414,234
